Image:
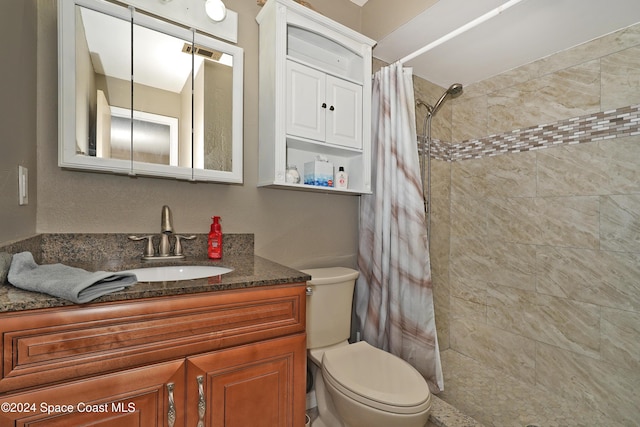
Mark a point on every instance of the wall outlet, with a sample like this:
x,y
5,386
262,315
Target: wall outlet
x,y
23,186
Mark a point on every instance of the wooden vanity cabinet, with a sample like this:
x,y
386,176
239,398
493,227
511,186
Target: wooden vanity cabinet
x,y
249,386
134,397
228,358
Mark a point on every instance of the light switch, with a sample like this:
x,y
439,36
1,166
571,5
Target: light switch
x,y
23,186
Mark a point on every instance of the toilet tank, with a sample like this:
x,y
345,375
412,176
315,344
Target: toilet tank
x,y
329,305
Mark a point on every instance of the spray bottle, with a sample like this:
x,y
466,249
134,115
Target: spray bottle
x,y
215,239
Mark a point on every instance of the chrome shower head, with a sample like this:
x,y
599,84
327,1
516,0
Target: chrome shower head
x,y
454,90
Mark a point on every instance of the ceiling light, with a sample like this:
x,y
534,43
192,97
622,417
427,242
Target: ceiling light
x,y
215,10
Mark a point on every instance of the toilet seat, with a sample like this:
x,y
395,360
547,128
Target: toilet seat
x,y
376,379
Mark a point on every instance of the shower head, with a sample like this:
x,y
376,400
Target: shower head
x,y
454,90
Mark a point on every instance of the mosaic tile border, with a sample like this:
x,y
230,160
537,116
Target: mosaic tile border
x,y
439,150
609,124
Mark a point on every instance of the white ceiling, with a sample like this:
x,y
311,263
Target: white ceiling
x,y
526,32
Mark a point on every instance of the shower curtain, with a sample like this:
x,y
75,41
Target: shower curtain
x,y
394,299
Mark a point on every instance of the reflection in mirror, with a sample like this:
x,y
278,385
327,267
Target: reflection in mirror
x,y
93,115
148,92
212,121
155,137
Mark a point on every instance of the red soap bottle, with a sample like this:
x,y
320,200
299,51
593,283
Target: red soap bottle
x,y
215,239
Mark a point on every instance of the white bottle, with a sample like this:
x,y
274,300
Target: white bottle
x,y
342,178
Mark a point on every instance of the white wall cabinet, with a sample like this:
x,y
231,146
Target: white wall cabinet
x,y
315,96
323,107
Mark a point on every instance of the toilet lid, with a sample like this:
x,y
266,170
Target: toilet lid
x,y
376,378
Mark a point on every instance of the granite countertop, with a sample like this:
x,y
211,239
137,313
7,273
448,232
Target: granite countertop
x,y
248,271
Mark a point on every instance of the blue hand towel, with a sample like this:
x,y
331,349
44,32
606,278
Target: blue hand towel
x,y
71,283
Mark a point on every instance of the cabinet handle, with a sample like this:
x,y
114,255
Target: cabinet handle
x,y
202,405
331,108
324,105
171,413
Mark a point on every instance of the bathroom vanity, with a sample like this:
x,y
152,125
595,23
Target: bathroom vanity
x,y
227,350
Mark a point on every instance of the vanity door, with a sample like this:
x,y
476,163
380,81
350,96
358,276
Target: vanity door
x,y
150,396
257,385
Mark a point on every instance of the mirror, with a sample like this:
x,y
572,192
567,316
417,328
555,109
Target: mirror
x,y
144,96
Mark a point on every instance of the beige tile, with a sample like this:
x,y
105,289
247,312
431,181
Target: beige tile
x,y
614,42
513,220
466,288
462,308
468,217
591,50
440,214
566,93
621,338
439,250
505,264
440,182
507,79
560,221
496,348
499,400
590,382
499,176
568,324
469,119
442,309
620,223
568,221
595,168
621,79
609,279
513,265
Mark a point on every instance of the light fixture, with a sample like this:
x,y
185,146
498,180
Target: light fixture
x,y
215,9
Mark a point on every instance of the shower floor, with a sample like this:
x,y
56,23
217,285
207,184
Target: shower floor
x,y
496,399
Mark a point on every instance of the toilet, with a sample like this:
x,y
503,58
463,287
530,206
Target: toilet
x,y
356,385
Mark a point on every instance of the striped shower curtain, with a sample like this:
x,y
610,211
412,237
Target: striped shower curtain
x,y
394,298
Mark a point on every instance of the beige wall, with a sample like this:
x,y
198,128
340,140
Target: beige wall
x,y
535,254
17,116
296,228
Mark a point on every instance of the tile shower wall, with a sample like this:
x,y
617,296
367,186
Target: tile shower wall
x,y
536,227
440,200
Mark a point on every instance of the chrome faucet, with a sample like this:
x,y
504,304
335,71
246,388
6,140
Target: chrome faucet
x,y
164,247
166,228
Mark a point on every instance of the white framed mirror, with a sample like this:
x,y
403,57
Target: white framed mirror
x,y
145,96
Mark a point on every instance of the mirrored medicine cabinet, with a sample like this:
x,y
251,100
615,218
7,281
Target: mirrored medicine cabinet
x,y
141,95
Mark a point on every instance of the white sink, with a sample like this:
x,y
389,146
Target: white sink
x,y
188,272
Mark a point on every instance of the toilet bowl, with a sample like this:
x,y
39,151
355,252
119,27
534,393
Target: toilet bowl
x,y
356,385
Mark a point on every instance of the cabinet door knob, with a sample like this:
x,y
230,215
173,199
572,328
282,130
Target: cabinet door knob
x,y
331,108
202,404
324,105
171,412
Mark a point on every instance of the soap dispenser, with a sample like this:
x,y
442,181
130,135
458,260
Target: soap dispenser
x,y
215,239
